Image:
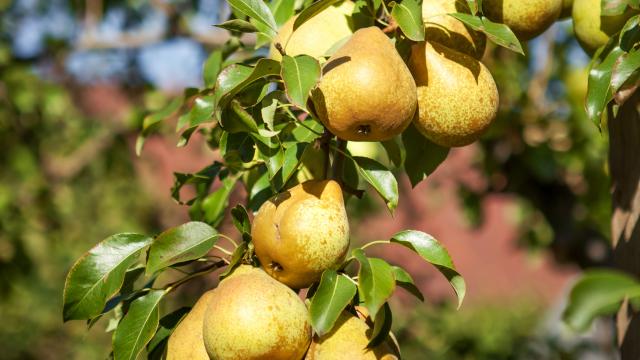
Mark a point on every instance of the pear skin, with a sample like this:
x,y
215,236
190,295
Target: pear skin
x,y
317,35
457,95
527,18
186,341
302,232
450,32
593,30
366,92
250,316
348,340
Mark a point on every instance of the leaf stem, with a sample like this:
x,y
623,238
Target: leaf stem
x,y
377,242
326,146
235,244
222,250
174,285
338,162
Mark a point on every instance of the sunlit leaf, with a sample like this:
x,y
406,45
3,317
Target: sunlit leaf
x,y
182,243
332,296
378,176
408,15
375,281
433,252
257,10
300,74
99,274
137,327
498,33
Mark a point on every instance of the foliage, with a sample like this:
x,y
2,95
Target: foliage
x,y
256,115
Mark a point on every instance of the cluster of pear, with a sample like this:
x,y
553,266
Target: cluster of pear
x,y
254,314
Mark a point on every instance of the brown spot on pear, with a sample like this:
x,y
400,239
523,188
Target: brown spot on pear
x,y
527,18
251,316
450,32
302,232
366,92
457,96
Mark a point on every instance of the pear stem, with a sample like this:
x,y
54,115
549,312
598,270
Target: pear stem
x,y
338,160
326,146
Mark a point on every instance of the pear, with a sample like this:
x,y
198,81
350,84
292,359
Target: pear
x,y
186,341
366,92
567,6
302,232
450,32
457,96
317,35
348,340
527,18
250,316
593,30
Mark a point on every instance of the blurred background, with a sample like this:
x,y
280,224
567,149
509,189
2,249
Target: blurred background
x,y
521,212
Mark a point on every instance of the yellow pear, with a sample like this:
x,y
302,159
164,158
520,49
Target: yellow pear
x,y
317,35
457,96
251,316
186,341
527,18
302,232
593,30
366,92
450,32
348,340
567,5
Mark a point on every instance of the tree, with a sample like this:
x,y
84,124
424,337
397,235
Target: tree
x,y
271,135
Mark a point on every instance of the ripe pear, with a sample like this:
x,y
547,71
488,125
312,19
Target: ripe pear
x,y
317,35
593,30
450,32
567,6
348,340
186,341
366,92
457,96
527,18
302,232
251,316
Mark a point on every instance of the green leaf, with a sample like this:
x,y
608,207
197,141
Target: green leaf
x,y
630,33
332,296
474,6
158,343
405,281
137,327
282,10
233,82
422,156
626,66
381,327
200,112
598,292
498,33
236,258
211,68
599,92
312,11
433,252
236,119
257,10
380,178
300,74
241,219
214,205
99,274
238,25
408,15
394,151
375,281
613,7
182,243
